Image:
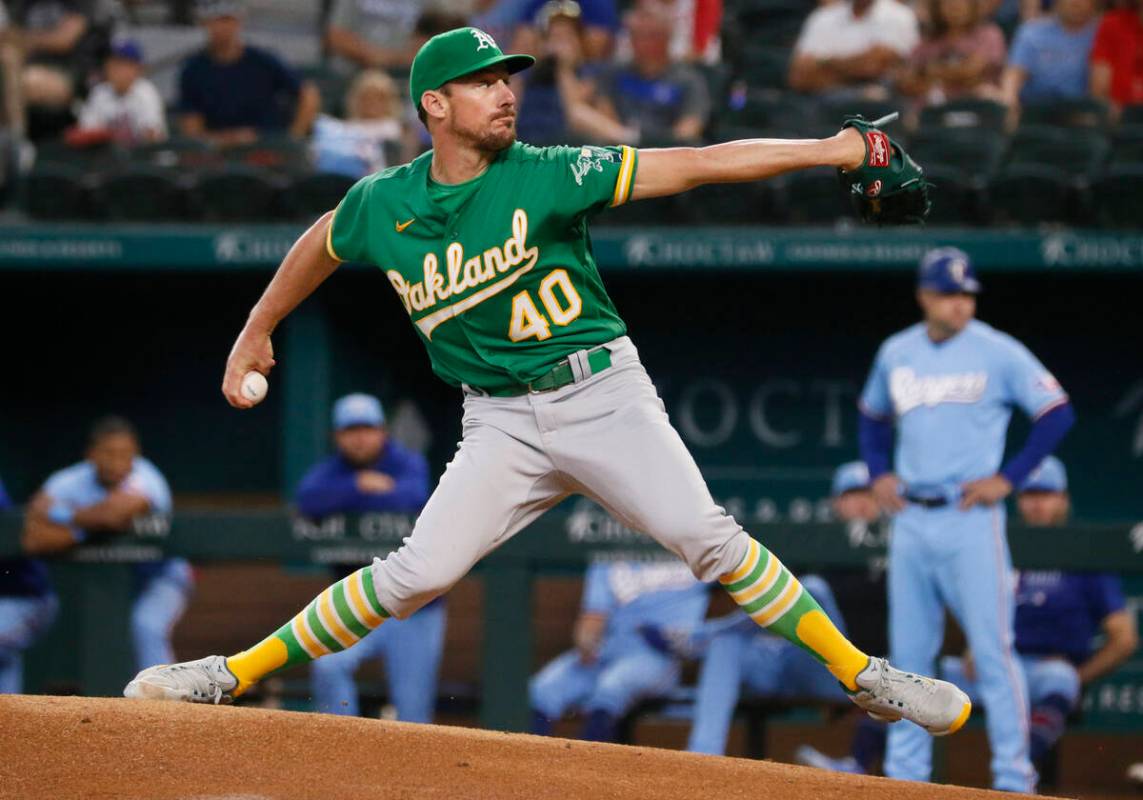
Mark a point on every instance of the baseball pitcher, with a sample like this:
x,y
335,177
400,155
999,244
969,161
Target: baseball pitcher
x,y
484,241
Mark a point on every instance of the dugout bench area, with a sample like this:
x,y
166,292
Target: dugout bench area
x,y
511,615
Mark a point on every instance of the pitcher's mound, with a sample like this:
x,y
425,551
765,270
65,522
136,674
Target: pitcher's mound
x,y
65,747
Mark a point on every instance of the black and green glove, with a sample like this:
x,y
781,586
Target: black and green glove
x,y
889,188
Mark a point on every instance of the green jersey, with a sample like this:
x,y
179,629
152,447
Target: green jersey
x,y
497,273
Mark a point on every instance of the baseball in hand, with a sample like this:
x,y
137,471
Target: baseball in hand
x,y
254,386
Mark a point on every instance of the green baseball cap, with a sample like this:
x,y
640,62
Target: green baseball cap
x,y
458,52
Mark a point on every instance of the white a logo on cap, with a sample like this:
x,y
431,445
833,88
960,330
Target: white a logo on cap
x,y
483,40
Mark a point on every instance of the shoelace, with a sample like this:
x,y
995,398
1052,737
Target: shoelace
x,y
181,676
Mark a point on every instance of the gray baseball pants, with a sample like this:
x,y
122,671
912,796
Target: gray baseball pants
x,y
606,437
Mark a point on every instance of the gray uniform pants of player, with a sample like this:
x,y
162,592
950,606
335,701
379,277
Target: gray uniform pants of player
x,y
606,436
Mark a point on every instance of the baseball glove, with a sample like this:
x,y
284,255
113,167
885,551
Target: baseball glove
x,y
889,188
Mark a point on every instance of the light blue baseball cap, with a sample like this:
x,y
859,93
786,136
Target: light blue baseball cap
x,y
850,477
357,409
1050,476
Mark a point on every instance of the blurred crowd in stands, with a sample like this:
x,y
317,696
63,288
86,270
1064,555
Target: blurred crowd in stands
x,y
1005,99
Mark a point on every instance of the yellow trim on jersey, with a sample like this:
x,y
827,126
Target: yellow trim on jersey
x,y
626,179
329,237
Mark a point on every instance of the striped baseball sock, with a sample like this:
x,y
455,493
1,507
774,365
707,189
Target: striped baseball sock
x,y
334,620
775,599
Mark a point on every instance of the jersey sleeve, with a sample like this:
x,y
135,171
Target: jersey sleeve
x,y
586,180
597,595
148,482
1028,382
875,400
346,237
1105,595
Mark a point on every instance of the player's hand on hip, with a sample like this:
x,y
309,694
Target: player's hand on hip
x,y
252,351
887,493
985,491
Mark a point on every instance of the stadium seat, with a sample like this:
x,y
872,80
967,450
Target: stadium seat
x,y
1127,145
828,114
280,153
965,114
977,152
815,196
764,66
654,212
237,194
331,84
717,78
312,195
1086,112
1131,115
1076,151
729,204
764,108
55,191
778,21
954,195
1031,195
178,151
141,194
1117,197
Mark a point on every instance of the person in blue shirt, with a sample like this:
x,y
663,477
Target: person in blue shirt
x,y
103,495
27,608
948,386
1049,55
1058,617
371,472
613,666
233,93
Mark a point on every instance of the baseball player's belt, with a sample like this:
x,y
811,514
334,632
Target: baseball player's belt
x,y
927,502
557,377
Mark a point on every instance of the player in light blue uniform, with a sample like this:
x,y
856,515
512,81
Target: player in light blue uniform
x,y
949,384
741,656
103,494
27,608
613,666
371,472
1058,616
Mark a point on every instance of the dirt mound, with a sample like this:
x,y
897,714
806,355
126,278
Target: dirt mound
x,y
72,747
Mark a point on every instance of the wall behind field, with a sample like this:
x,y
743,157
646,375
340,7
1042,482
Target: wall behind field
x,y
758,370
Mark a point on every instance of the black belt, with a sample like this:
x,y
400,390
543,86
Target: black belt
x,y
927,502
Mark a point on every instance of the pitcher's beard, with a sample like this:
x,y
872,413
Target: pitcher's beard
x,y
491,140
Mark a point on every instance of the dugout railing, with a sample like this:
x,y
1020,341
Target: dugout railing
x,y
94,580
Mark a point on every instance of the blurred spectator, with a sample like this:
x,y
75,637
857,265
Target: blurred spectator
x,y
613,666
373,33
555,96
499,18
27,607
1049,56
853,46
1117,57
64,42
231,92
11,77
599,19
125,107
659,99
962,57
371,472
738,655
103,495
356,145
695,30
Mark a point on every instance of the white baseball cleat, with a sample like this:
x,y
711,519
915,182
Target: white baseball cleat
x,y
888,694
207,680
